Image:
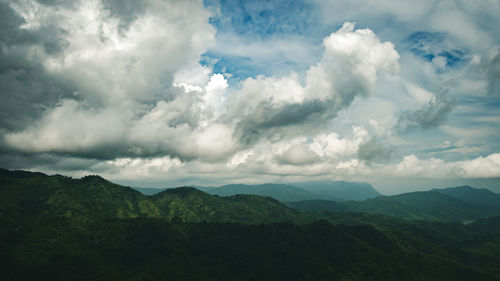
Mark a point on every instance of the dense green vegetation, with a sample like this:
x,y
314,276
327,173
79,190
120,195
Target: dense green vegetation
x,y
26,195
425,205
483,198
156,249
58,228
191,205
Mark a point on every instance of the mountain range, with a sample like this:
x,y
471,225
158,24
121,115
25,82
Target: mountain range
x,y
60,228
462,203
331,190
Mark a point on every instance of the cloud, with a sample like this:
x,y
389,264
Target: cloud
x,y
481,167
161,89
332,146
27,88
71,128
493,71
468,22
430,115
349,67
126,11
297,155
375,151
268,120
115,69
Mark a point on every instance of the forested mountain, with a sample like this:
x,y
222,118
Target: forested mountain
x,y
423,205
479,197
24,194
59,228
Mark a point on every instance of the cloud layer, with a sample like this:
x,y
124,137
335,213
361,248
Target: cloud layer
x,y
132,90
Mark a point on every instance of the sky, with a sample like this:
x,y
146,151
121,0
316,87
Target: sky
x,y
404,95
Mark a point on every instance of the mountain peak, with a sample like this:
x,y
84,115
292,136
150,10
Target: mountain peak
x,y
180,191
21,173
478,196
93,178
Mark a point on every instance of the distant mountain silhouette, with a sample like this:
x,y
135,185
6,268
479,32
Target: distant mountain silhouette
x,y
340,190
332,190
149,190
282,192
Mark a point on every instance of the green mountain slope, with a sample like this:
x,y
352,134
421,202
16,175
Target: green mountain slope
x,y
155,249
340,190
282,192
475,196
428,205
419,206
190,204
58,228
25,194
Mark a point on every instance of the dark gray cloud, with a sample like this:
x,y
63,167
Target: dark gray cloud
x,y
375,151
59,3
127,11
269,121
430,115
493,73
26,88
45,161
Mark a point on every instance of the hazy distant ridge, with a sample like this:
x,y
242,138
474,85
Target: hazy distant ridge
x,y
330,190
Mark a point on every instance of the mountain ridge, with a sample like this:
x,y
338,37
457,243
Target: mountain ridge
x,y
334,190
90,228
419,205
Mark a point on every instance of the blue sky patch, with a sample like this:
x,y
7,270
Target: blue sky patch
x,y
434,45
261,17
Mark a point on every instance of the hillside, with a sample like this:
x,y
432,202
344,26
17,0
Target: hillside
x,y
193,205
479,197
427,205
25,194
59,228
155,249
